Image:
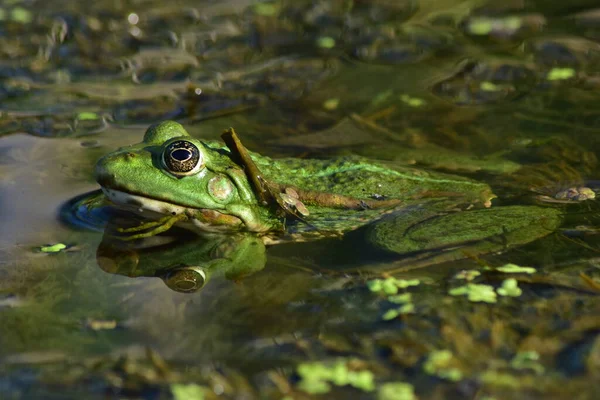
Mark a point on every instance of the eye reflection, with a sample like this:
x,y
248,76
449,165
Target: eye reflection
x,y
186,279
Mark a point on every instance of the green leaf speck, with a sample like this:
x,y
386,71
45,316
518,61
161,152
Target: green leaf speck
x,y
54,248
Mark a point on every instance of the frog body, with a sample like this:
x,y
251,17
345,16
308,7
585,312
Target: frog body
x,y
171,178
213,192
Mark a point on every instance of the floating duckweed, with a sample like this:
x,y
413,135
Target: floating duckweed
x,y
314,378
451,374
412,101
484,26
375,285
101,325
265,9
401,298
317,377
339,374
326,42
404,283
467,275
87,116
390,286
488,86
512,23
480,26
363,380
408,308
396,391
558,74
439,362
475,292
390,314
21,15
53,248
382,97
527,360
438,358
496,378
187,391
516,269
510,287
314,386
331,104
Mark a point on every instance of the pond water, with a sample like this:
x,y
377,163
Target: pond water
x,y
503,93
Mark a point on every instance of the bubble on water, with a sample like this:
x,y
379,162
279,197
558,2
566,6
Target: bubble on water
x,y
135,31
133,18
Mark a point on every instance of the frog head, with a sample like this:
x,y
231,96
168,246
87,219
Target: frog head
x,y
182,179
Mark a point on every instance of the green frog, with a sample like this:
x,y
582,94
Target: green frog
x,y
173,179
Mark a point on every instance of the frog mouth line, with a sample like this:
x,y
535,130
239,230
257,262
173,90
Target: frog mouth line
x,y
125,196
140,203
205,220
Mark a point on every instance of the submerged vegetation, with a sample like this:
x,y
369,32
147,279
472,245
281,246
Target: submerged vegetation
x,y
503,95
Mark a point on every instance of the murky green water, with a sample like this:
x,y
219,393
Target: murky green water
x,y
502,92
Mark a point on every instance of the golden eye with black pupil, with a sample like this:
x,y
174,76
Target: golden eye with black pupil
x,y
182,158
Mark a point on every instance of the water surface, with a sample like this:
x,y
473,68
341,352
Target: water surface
x,y
504,93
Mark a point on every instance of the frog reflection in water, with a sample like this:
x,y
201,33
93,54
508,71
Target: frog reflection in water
x,y
171,178
185,263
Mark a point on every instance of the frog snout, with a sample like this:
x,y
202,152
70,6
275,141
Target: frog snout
x,y
109,168
103,173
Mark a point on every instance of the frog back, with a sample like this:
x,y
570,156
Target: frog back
x,y
381,189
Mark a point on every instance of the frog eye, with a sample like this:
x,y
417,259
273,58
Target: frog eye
x,y
182,158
